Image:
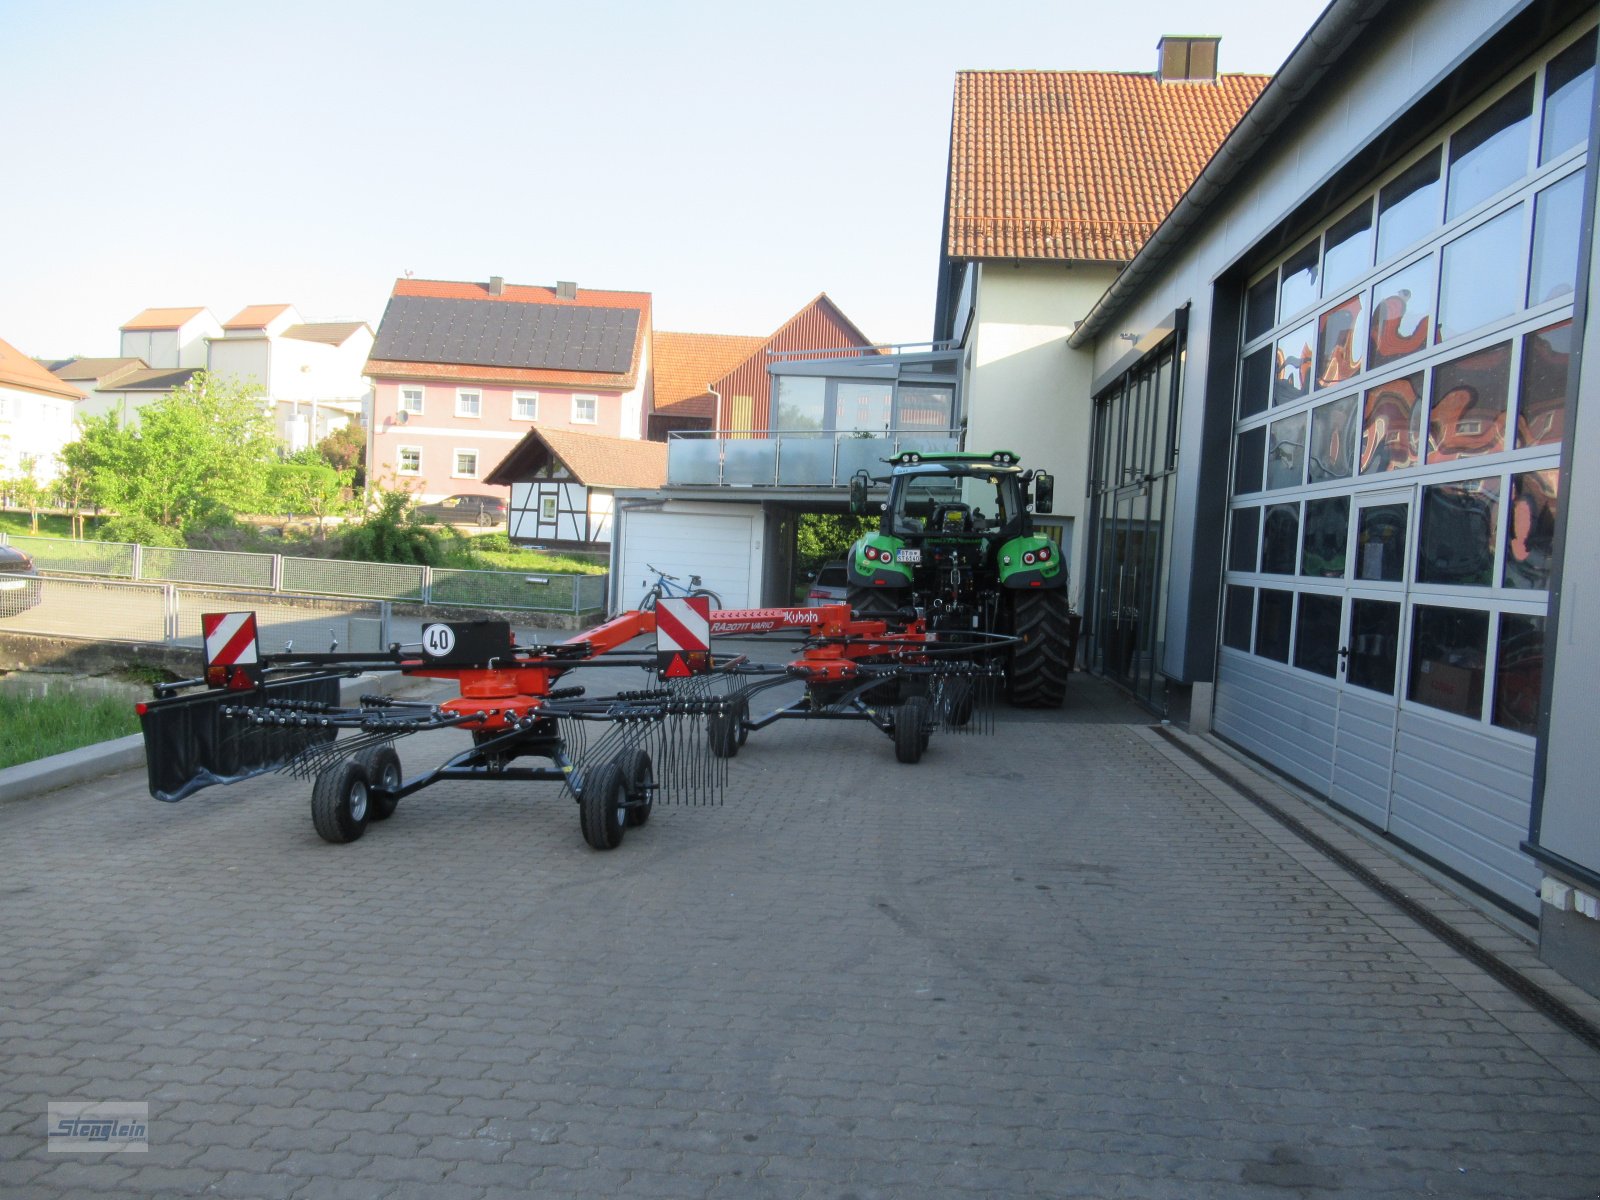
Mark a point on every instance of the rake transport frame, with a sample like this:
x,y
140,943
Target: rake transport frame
x,y
668,742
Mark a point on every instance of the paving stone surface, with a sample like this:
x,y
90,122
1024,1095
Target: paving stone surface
x,y
1059,961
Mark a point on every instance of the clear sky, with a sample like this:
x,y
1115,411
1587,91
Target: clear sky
x,y
733,159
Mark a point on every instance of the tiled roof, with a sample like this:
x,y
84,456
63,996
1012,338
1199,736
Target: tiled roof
x,y
19,371
593,460
333,333
392,360
687,364
163,318
1078,165
96,370
256,316
155,379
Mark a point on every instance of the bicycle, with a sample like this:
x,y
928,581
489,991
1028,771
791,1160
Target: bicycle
x,y
668,586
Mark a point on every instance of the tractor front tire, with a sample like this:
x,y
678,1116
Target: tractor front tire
x,y
913,721
340,802
382,766
1041,660
602,807
640,777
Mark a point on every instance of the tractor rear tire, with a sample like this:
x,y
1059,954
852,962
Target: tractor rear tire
x,y
382,766
341,803
913,721
1041,661
641,778
602,811
874,602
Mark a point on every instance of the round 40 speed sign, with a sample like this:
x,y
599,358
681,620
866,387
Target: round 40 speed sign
x,y
438,640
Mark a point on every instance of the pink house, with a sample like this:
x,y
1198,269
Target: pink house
x,y
462,371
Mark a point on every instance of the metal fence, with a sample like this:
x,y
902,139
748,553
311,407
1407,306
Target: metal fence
x,y
166,614
281,574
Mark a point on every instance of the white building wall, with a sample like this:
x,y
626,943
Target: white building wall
x,y
34,426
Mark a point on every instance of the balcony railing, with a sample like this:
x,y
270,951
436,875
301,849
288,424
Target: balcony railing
x,y
790,457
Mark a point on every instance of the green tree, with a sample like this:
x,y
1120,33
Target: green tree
x,y
345,449
26,491
820,537
300,486
391,533
198,455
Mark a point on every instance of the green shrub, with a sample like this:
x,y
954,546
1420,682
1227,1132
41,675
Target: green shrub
x,y
391,533
494,542
134,527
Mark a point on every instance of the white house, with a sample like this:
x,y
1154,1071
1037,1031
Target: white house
x,y
36,411
167,338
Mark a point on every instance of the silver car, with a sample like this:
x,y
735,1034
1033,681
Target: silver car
x,y
831,585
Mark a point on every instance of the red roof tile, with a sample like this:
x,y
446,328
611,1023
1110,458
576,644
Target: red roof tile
x,y
686,365
1078,165
256,316
163,318
594,460
19,371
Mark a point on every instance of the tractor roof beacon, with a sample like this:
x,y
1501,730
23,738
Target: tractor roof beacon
x,y
938,554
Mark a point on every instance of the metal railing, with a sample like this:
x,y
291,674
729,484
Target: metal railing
x,y
790,457
280,574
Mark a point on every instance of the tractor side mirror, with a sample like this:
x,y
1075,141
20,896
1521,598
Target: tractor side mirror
x,y
858,494
1044,492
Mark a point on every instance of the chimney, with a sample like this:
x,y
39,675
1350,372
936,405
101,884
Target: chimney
x,y
566,290
497,285
1187,59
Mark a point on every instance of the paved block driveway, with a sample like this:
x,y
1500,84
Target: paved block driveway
x,y
1054,962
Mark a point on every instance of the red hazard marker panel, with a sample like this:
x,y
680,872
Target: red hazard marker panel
x,y
683,636
230,639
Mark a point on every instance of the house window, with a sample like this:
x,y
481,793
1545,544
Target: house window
x,y
525,406
585,410
469,404
466,464
547,508
409,460
411,401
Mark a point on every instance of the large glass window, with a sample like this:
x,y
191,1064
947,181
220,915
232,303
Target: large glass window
x,y
1334,439
1531,528
1408,208
1448,654
920,407
1381,543
1327,533
1391,424
1557,220
1456,541
1519,673
1402,310
799,402
1467,415
1542,403
1482,277
862,406
1490,152
1568,99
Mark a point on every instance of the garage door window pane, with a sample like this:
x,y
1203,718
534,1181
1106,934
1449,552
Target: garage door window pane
x,y
1374,644
1293,365
1299,282
1448,647
1238,617
1391,425
1456,543
1531,528
1243,539
1568,99
1327,533
1260,305
1349,249
1519,673
1402,313
1280,542
1255,383
1482,279
1250,448
1381,543
1542,399
1287,456
1468,412
1557,218
1334,438
1341,342
1490,152
1408,209
1316,634
1273,623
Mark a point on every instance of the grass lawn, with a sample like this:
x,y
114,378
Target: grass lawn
x,y
37,728
549,562
50,524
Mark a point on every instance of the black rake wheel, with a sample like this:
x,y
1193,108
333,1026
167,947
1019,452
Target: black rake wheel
x,y
640,778
341,802
959,702
602,807
382,766
725,730
913,722
1040,662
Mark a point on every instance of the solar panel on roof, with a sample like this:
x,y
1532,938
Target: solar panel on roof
x,y
493,333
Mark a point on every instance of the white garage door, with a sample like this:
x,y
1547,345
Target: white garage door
x,y
716,547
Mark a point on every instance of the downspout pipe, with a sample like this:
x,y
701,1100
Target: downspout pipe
x,y
1344,22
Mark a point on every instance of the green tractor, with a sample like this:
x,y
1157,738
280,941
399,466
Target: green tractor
x,y
939,552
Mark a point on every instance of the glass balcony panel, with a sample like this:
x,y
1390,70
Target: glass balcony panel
x,y
749,461
863,454
805,461
693,460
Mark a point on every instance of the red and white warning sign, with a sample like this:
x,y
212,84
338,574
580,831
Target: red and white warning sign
x,y
683,636
230,639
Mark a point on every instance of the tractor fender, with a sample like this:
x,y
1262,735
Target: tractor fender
x,y
874,562
1030,562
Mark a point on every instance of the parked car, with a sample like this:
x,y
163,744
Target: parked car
x,y
20,587
465,510
831,585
